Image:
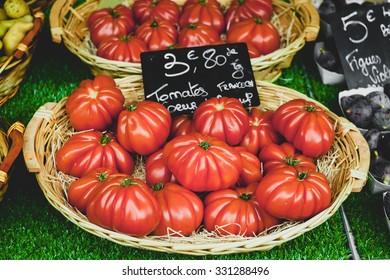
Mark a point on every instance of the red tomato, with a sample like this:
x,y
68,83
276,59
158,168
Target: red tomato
x,y
89,150
277,156
83,189
287,193
143,127
242,9
182,210
306,126
181,125
224,118
107,22
156,171
202,163
122,48
158,34
208,12
260,33
197,34
158,9
236,211
95,104
125,204
261,131
251,167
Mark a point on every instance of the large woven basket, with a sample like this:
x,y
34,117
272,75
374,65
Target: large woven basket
x,y
346,167
11,143
14,67
298,22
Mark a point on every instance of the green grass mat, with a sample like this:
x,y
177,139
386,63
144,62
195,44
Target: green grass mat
x,y
31,229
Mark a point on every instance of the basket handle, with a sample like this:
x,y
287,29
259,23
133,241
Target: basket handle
x,y
15,133
311,17
55,18
29,153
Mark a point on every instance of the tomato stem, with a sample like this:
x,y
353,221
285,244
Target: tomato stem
x,y
205,145
192,26
154,24
203,2
291,161
105,139
245,196
132,107
102,177
310,108
113,13
127,182
258,20
157,186
302,175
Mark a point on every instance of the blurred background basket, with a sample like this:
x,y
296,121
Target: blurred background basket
x,y
13,68
11,143
346,167
297,21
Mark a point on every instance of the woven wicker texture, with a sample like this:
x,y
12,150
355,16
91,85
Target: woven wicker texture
x,y
13,68
297,22
346,166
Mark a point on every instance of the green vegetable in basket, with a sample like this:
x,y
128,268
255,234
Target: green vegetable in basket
x,y
15,35
16,8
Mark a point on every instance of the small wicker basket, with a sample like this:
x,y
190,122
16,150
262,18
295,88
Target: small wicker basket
x,y
9,151
13,68
346,167
298,23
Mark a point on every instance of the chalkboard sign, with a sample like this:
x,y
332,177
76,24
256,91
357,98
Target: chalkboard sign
x,y
362,36
183,78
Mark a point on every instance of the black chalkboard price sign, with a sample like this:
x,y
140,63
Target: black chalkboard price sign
x,y
362,37
182,78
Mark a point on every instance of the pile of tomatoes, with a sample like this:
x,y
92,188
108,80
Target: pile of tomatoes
x,y
122,33
226,168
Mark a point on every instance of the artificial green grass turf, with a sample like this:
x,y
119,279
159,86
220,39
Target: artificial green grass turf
x,y
31,229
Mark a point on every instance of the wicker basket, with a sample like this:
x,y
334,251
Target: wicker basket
x,y
9,152
13,68
346,167
298,23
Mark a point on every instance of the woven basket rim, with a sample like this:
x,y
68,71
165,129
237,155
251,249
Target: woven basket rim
x,y
352,174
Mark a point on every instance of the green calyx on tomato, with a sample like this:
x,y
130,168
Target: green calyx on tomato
x,y
132,107
192,25
154,24
310,108
157,186
113,13
245,196
203,2
290,161
302,176
205,145
105,139
258,20
128,182
102,177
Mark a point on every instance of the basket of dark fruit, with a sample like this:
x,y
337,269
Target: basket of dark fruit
x,y
369,110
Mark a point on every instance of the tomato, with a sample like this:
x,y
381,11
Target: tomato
x,y
242,9
125,204
158,34
83,189
224,118
159,9
107,22
277,156
251,167
143,127
236,211
202,163
181,125
287,193
94,104
156,171
260,33
197,34
261,131
208,12
182,210
89,150
122,48
306,126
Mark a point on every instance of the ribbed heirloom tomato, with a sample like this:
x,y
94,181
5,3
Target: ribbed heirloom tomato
x,y
94,104
83,189
197,34
251,167
107,22
243,9
125,204
202,163
261,131
236,211
288,193
159,9
306,126
277,156
181,125
88,150
182,210
158,34
156,170
224,118
143,127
